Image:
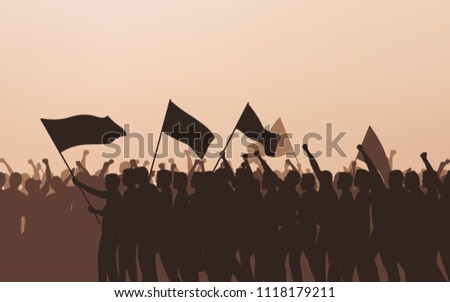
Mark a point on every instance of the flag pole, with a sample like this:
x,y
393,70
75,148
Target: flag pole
x,y
157,144
81,190
228,141
154,157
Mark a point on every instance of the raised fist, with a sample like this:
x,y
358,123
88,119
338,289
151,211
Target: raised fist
x,y
30,161
360,147
424,155
85,152
245,156
45,161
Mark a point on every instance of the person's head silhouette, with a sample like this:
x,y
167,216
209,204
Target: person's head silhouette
x,y
180,180
15,180
140,175
412,181
396,179
429,178
56,184
345,181
326,178
32,185
308,182
112,182
128,178
163,179
292,179
362,179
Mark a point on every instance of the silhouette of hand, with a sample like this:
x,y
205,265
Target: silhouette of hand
x,y
75,181
111,161
85,152
257,154
288,161
38,166
245,156
91,209
2,160
78,163
203,160
45,161
393,152
360,148
423,155
305,147
30,161
197,162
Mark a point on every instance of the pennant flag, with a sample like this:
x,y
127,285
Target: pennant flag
x,y
82,130
373,147
284,144
251,126
184,128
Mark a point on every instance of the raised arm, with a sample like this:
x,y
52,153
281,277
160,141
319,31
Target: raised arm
x,y
83,158
441,167
48,175
267,168
193,168
227,166
313,162
290,164
391,159
8,167
82,168
95,192
68,178
36,170
424,157
189,160
105,168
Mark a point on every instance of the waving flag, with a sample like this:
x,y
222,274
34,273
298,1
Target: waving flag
x,y
82,130
251,126
183,127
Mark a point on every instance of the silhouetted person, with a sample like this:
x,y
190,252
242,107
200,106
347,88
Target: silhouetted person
x,y
307,221
149,222
165,240
429,234
107,264
184,230
129,227
344,242
326,220
364,256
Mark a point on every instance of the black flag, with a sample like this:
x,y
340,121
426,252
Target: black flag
x,y
251,126
82,130
183,127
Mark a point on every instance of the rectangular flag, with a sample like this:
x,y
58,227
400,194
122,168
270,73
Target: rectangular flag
x,y
251,126
82,130
373,147
183,127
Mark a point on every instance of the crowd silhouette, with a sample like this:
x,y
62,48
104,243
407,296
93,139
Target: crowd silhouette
x,y
247,224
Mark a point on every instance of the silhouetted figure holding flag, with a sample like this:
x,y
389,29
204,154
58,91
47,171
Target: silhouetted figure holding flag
x,y
107,264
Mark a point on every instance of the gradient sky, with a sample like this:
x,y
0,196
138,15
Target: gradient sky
x,y
354,63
